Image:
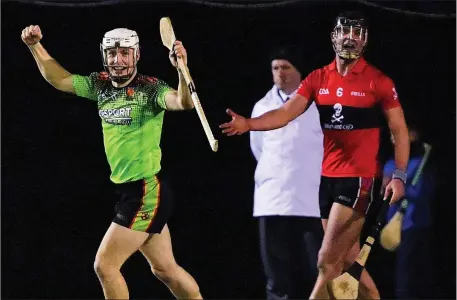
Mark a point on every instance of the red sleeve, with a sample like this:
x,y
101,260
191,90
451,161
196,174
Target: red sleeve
x,y
308,86
387,94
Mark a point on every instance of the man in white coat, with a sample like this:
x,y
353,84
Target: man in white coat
x,y
287,178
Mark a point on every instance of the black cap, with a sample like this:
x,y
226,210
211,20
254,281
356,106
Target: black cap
x,y
289,53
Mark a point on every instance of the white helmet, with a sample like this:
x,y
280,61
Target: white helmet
x,y
120,38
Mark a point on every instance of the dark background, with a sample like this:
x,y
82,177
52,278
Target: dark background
x,y
57,200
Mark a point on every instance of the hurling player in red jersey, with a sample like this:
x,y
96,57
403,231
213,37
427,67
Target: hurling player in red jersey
x,y
348,92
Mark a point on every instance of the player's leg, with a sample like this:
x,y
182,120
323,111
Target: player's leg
x,y
326,199
274,252
118,244
343,230
351,199
135,214
159,253
158,249
370,207
367,288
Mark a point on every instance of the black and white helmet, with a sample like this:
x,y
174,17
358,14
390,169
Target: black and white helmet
x,y
349,35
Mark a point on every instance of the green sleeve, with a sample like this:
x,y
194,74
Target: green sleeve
x,y
157,93
86,86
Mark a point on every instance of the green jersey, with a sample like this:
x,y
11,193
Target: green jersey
x,y
132,119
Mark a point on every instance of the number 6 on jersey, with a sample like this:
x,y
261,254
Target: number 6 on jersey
x,y
168,38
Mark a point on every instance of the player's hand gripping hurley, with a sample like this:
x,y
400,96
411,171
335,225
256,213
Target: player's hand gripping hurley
x,y
168,38
390,237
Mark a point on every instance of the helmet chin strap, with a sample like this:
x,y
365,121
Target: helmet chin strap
x,y
122,79
347,59
349,56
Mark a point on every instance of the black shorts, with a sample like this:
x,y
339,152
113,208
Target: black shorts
x,y
144,205
359,193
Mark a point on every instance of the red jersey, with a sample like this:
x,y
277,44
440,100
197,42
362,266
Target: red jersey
x,y
349,109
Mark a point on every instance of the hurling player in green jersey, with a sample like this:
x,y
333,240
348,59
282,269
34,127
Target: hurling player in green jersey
x,y
131,107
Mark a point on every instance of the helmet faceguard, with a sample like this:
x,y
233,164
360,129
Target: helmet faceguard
x,y
120,49
349,36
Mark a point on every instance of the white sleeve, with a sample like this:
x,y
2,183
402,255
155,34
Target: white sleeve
x,y
256,136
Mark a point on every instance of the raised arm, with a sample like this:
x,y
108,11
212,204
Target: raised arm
x,y
51,70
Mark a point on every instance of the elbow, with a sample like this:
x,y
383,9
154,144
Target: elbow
x,y
57,85
61,89
186,103
56,82
285,122
285,119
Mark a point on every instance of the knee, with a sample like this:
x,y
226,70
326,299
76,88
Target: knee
x,y
103,268
326,257
166,272
329,263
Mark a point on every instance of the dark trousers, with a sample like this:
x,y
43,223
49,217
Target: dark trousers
x,y
289,248
414,272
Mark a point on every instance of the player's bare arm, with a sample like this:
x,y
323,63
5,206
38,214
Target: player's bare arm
x,y
273,119
50,69
397,125
180,99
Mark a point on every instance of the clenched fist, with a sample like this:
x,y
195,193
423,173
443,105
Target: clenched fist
x,y
31,35
178,51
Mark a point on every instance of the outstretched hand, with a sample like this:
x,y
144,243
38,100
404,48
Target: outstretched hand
x,y
238,125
